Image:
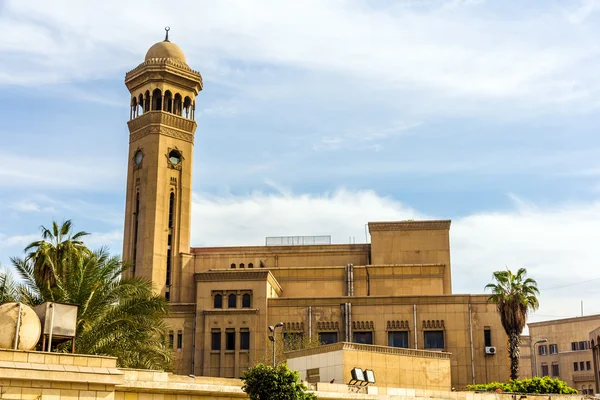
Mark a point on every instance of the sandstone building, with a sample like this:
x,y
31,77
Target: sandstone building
x,y
567,351
395,291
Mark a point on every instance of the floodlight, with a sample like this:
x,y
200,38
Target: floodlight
x,y
370,375
357,374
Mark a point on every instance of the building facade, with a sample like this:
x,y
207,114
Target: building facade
x,y
395,291
567,351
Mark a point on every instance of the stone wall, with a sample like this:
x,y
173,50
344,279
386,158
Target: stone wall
x,y
44,376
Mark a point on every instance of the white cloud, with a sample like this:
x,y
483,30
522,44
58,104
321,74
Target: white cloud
x,y
28,206
557,245
456,52
81,173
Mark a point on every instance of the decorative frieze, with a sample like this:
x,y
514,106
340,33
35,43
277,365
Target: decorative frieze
x,y
328,326
397,324
433,324
362,325
293,326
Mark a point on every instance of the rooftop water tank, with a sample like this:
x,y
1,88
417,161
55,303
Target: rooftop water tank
x,y
20,327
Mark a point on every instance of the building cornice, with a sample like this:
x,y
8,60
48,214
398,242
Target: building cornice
x,y
409,225
239,275
231,311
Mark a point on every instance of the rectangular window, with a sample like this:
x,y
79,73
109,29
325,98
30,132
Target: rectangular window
x,y
544,369
555,371
363,337
398,339
293,340
328,337
581,366
434,339
179,339
230,339
553,349
588,365
582,345
215,338
171,339
244,339
543,350
575,366
574,346
487,337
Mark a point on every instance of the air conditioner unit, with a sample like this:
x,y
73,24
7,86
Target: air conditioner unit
x,y
490,350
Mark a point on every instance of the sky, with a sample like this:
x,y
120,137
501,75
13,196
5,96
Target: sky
x,y
319,116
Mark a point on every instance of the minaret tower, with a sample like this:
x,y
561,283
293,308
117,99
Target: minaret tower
x,y
159,174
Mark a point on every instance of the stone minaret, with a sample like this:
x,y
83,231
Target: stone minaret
x,y
159,169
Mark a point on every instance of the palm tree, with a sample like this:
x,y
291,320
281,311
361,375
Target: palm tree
x,y
9,290
514,296
116,317
49,254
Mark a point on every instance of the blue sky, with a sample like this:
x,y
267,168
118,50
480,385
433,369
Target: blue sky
x,y
319,116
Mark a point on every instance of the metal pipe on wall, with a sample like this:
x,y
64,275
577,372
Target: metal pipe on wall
x,y
310,323
471,341
415,318
18,327
351,280
51,328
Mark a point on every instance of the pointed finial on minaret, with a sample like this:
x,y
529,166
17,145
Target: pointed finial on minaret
x,y
167,29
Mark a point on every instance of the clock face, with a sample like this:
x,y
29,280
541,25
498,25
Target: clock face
x,y
138,157
175,157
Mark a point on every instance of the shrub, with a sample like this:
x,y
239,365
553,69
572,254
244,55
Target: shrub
x,y
263,382
545,385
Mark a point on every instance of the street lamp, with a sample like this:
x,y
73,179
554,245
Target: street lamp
x,y
272,337
535,354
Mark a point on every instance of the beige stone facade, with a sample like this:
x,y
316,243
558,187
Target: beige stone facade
x,y
43,376
393,367
395,291
567,353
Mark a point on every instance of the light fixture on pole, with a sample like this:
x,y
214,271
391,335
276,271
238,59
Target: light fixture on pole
x,y
272,338
535,354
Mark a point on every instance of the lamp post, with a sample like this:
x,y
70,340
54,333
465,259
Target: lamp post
x,y
272,329
535,354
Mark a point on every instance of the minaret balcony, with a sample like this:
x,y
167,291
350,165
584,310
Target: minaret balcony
x,y
162,118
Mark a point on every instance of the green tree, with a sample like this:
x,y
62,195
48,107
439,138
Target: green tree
x,y
49,255
9,290
120,317
514,296
263,382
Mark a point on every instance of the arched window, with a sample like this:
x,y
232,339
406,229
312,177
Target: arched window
x,y
246,303
168,102
147,101
233,265
156,100
187,103
242,265
177,104
141,103
250,265
232,301
218,301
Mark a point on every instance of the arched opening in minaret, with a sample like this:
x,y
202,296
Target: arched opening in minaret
x,y
168,106
187,104
147,101
177,103
157,100
140,104
133,109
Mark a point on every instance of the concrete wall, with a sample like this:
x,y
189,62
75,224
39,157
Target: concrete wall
x,y
393,367
40,376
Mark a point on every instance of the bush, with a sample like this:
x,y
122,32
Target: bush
x,y
263,382
545,385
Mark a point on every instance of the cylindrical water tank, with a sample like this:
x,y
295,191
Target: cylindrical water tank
x,y
28,324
